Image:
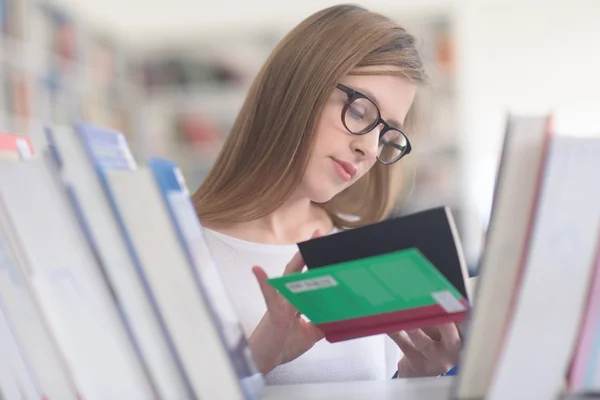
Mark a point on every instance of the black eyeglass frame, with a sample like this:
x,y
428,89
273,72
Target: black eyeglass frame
x,y
353,95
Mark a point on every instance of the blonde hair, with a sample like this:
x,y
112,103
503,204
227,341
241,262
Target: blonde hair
x,y
266,153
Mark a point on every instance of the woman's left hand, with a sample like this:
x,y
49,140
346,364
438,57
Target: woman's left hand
x,y
427,354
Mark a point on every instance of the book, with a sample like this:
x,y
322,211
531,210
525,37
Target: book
x,y
23,312
155,236
81,154
172,278
176,197
584,373
403,273
543,330
15,147
516,192
65,276
16,378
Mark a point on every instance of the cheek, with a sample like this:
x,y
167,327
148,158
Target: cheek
x,y
367,169
330,128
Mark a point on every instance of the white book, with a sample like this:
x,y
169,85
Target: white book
x,y
10,388
515,197
66,278
78,172
584,374
15,374
172,279
22,309
541,337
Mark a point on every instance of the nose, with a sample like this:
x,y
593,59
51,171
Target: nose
x,y
366,146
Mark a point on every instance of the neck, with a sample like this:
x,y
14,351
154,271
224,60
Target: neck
x,y
291,223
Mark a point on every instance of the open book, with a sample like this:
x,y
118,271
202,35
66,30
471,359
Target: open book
x,y
403,273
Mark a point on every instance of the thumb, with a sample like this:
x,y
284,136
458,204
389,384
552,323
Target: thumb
x,y
316,333
269,293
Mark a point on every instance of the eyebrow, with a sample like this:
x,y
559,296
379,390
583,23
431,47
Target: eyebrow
x,y
392,122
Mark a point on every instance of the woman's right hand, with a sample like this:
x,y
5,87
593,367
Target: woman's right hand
x,y
282,334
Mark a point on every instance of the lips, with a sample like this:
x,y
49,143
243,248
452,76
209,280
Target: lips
x,y
347,170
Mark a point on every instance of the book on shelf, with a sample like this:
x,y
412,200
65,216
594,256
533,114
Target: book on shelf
x,y
15,147
535,292
560,254
521,166
68,283
584,372
179,206
406,272
81,162
88,268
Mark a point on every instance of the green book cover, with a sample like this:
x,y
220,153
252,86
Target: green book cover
x,y
390,282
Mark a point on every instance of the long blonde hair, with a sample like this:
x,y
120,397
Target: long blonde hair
x,y
266,153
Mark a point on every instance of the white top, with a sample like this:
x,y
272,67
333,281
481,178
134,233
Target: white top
x,y
371,358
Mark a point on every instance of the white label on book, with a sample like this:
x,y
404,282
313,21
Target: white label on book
x,y
449,303
24,150
124,147
321,282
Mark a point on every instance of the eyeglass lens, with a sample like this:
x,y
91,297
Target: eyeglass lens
x,y
361,116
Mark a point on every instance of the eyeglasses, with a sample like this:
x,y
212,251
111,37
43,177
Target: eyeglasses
x,y
361,115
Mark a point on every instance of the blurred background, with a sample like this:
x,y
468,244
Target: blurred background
x,y
171,75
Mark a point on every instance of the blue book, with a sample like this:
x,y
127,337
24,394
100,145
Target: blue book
x,y
176,198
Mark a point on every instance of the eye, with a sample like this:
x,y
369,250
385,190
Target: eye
x,y
355,113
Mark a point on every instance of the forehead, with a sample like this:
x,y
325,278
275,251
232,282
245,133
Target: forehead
x,y
393,94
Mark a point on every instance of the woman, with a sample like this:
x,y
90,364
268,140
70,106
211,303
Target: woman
x,y
314,149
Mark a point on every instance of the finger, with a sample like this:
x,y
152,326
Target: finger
x,y
269,293
433,333
422,342
407,347
297,262
295,265
450,337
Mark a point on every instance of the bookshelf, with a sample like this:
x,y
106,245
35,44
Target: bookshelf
x,y
192,93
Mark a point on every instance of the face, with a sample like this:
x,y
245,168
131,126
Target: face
x,y
339,157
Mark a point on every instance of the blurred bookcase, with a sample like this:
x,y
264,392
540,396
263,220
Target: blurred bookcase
x,y
53,69
192,93
433,174
179,100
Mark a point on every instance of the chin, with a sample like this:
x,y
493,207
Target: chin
x,y
323,195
